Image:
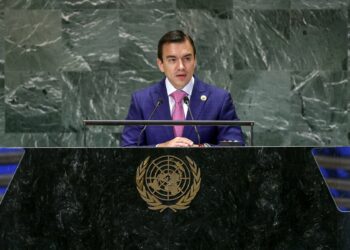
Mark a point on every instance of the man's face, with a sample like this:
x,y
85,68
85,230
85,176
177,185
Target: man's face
x,y
178,63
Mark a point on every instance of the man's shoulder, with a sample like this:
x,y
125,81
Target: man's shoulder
x,y
155,87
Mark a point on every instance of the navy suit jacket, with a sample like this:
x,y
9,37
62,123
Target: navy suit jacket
x,y
217,106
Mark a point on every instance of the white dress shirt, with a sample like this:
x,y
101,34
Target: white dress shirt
x,y
170,89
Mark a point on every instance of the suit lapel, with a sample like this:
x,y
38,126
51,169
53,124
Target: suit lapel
x,y
196,105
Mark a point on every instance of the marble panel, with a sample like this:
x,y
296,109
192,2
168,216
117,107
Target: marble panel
x,y
261,39
139,33
235,39
37,140
212,35
319,108
107,137
91,4
33,40
200,4
91,138
263,96
319,4
221,79
147,4
33,102
2,49
348,41
32,4
91,39
261,4
2,107
347,99
318,40
90,96
2,75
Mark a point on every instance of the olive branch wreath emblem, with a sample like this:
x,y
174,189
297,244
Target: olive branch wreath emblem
x,y
153,202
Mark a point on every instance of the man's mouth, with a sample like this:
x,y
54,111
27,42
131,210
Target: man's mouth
x,y
181,76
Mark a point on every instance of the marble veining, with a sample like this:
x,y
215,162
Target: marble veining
x,y
249,198
285,63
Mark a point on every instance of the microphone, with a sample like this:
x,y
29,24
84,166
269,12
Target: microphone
x,y
187,102
159,102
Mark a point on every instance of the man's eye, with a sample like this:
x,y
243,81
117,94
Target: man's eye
x,y
171,60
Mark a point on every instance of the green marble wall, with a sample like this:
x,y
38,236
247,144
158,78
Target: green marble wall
x,y
284,61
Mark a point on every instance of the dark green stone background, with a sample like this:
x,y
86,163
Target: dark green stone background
x,y
285,63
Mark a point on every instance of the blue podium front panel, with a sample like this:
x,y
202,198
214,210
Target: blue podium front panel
x,y
9,161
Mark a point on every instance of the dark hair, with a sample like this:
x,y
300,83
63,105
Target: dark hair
x,y
175,36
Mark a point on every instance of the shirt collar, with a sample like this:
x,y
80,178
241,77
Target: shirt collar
x,y
188,87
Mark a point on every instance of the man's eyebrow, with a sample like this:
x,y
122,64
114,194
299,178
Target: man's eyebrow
x,y
187,55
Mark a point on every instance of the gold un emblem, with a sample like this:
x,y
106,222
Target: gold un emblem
x,y
168,182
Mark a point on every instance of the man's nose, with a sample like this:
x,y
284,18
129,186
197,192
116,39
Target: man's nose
x,y
181,65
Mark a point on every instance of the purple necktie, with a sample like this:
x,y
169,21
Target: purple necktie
x,y
178,112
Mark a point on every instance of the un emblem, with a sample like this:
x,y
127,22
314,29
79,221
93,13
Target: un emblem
x,y
168,182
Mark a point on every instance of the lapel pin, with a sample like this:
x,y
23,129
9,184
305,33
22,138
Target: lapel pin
x,y
203,98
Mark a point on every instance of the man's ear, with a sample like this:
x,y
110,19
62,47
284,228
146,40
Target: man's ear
x,y
160,65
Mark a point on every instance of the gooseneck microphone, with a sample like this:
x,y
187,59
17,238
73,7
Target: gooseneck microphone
x,y
159,102
187,102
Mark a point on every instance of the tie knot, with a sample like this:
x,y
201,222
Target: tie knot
x,y
178,95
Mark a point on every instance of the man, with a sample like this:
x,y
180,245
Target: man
x,y
165,101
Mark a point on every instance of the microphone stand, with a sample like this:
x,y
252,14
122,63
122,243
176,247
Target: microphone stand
x,y
159,102
187,102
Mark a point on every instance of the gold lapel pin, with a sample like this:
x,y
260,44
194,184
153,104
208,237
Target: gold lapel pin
x,y
203,98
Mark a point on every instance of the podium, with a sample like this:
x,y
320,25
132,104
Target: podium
x,y
195,123
249,198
